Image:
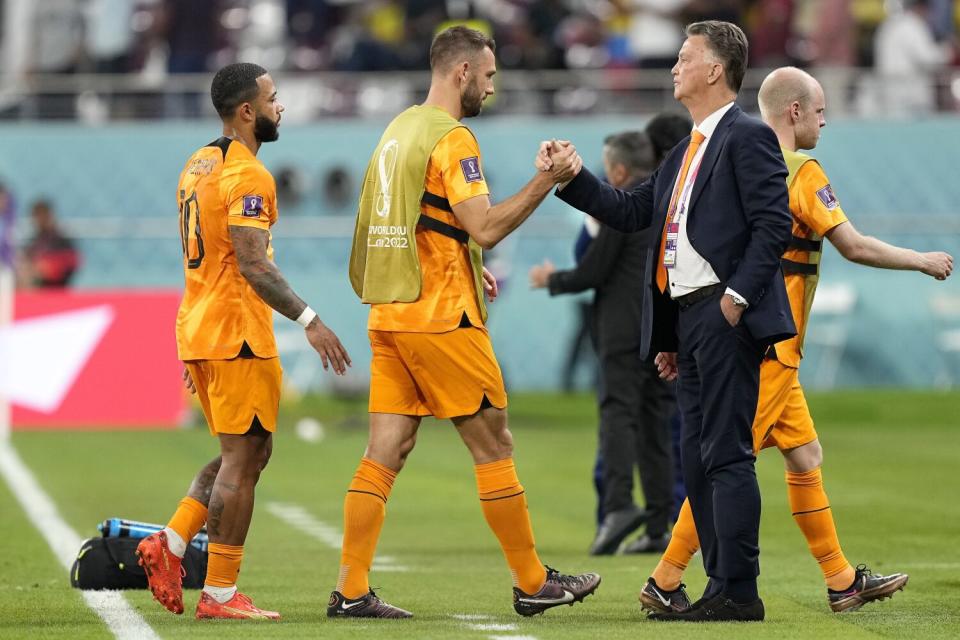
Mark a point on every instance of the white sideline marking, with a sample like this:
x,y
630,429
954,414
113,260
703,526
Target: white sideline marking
x,y
122,619
490,626
301,519
493,626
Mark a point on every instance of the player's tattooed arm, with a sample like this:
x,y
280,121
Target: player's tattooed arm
x,y
250,245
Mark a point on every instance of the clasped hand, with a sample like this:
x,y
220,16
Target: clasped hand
x,y
560,159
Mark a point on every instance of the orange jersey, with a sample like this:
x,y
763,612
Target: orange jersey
x,y
816,211
448,291
222,185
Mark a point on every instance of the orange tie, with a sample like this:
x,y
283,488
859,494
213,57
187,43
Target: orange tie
x,y
696,138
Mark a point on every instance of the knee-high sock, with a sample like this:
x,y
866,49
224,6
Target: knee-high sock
x,y
811,511
223,564
505,508
683,544
364,510
188,519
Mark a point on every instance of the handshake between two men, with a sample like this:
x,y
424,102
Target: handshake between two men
x,y
560,159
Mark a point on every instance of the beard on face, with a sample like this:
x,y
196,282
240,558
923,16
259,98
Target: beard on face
x,y
265,129
471,100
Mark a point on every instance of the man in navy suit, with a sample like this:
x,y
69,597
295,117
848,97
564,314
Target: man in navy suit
x,y
715,298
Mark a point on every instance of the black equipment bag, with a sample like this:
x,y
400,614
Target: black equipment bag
x,y
111,563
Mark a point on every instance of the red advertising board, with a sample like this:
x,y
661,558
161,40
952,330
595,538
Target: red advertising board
x,y
92,359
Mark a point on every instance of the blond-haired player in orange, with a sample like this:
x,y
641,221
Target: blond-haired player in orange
x,y
228,203
424,216
792,104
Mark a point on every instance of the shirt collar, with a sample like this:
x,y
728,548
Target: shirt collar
x,y
709,124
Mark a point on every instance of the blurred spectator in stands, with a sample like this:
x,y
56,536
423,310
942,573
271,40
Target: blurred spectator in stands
x,y
369,40
831,35
526,35
726,10
7,218
7,264
941,19
193,32
825,36
109,35
49,258
309,25
57,31
770,33
908,59
867,16
656,32
584,40
56,46
420,22
544,17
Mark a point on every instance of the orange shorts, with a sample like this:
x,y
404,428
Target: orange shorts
x,y
783,419
440,374
232,392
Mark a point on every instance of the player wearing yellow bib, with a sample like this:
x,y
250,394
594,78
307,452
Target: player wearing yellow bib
x,y
424,215
792,104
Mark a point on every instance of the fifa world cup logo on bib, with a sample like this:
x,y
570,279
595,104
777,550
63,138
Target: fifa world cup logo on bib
x,y
386,163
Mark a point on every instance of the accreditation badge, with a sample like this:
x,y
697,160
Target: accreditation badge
x,y
670,248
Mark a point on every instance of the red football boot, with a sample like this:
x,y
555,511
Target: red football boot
x,y
239,607
163,569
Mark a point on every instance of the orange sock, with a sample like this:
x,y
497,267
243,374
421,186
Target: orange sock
x,y
364,510
223,564
188,518
811,510
505,508
683,544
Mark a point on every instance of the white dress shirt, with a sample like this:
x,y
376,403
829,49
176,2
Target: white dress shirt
x,y
691,271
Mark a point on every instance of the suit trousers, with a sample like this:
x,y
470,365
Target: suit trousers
x,y
717,390
635,409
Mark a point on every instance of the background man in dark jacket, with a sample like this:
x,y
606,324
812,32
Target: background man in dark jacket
x,y
635,404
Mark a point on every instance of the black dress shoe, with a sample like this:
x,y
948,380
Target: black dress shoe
x,y
719,608
616,526
648,544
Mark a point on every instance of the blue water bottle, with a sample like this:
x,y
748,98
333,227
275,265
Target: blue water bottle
x,y
120,528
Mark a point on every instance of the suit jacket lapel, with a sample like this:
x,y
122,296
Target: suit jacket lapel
x,y
670,169
714,146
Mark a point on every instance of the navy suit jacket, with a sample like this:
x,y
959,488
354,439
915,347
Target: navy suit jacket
x,y
739,221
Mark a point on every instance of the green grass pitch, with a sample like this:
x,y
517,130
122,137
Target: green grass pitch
x,y
891,472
